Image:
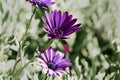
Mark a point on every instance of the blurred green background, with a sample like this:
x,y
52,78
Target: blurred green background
x,y
94,49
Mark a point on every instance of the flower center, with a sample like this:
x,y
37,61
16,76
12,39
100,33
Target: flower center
x,y
52,65
58,32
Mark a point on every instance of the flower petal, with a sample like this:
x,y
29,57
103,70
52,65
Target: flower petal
x,y
63,17
52,54
57,19
41,3
44,57
42,64
69,25
62,71
48,19
50,72
66,22
45,70
58,57
63,61
48,54
72,29
64,65
39,59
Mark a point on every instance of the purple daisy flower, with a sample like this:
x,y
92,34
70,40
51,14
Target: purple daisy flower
x,y
53,63
41,3
59,25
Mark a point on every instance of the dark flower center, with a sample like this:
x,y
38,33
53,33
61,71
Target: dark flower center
x,y
58,32
52,65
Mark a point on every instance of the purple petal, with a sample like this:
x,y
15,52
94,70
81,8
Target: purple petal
x,y
57,18
44,57
61,54
48,54
48,19
50,3
39,59
63,17
69,25
72,29
42,64
52,18
53,51
67,20
62,71
51,72
47,31
45,70
58,57
47,24
63,61
64,65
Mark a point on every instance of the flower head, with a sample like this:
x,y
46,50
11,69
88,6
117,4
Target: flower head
x,y
53,63
66,49
59,25
41,3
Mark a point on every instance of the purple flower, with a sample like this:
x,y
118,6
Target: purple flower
x,y
53,63
59,25
41,3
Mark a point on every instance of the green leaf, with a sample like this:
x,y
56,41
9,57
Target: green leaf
x,y
117,77
106,6
1,8
5,17
117,56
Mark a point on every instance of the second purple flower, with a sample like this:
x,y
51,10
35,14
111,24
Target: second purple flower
x,y
59,25
53,62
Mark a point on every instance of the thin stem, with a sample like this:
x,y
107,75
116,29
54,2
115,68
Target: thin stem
x,y
25,65
46,77
49,44
93,68
15,66
29,24
23,39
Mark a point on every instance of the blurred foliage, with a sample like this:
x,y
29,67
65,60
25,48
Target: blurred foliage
x,y
94,49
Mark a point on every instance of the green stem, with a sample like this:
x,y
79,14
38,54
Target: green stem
x,y
23,40
46,77
93,68
49,44
15,66
25,66
29,24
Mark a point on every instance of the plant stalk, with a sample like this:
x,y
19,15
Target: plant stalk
x,y
23,40
49,44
